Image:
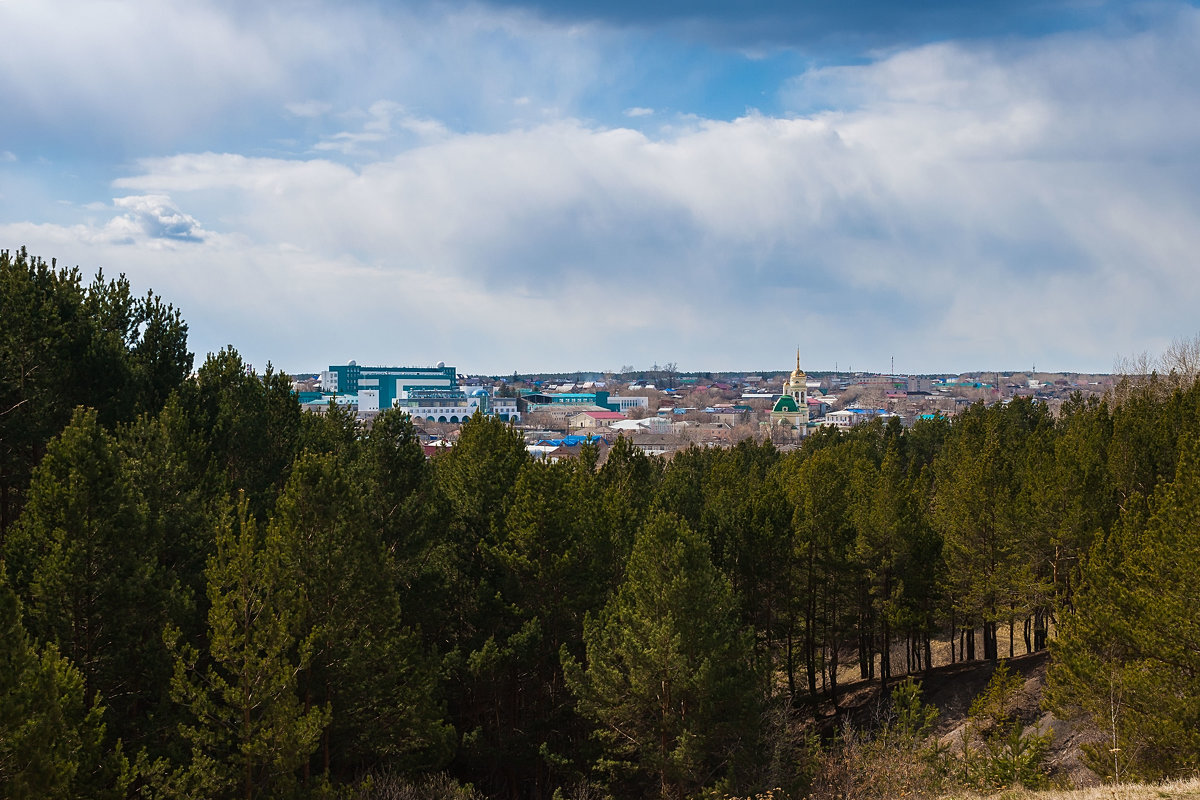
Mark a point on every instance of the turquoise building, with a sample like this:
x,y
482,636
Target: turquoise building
x,y
381,387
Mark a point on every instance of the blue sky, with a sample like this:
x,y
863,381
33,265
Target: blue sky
x,y
558,186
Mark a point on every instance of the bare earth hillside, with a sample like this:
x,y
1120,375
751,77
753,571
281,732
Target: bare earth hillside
x,y
951,689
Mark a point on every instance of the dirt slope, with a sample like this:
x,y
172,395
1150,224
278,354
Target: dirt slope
x,y
952,688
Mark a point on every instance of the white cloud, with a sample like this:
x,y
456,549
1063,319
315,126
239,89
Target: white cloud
x,y
156,217
308,108
384,121
638,111
976,206
293,307
129,74
151,69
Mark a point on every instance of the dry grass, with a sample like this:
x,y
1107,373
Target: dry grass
x,y
1133,791
1162,791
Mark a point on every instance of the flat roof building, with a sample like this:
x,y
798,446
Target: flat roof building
x,y
381,387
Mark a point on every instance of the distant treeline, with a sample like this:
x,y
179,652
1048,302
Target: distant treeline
x,y
207,593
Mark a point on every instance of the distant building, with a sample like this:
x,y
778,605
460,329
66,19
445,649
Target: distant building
x,y
646,425
626,402
435,405
506,409
817,407
319,402
895,381
430,394
566,447
534,401
791,409
916,383
847,418
593,419
729,415
657,444
380,387
556,415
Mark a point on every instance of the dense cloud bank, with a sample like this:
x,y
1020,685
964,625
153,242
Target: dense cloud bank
x,y
968,203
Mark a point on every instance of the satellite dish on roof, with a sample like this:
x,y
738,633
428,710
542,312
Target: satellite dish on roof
x,y
353,363
441,365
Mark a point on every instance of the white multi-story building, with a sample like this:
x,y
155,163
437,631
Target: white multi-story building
x,y
847,418
627,402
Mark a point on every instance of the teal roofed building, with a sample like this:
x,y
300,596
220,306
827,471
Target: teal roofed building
x,y
381,387
791,409
532,400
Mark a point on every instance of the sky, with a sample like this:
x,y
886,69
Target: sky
x,y
537,185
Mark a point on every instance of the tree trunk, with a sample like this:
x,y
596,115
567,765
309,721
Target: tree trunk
x,y
885,653
865,658
810,642
989,641
791,669
833,668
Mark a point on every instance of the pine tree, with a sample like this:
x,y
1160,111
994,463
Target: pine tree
x,y
1085,501
411,519
628,480
81,557
747,521
552,565
885,518
973,509
478,474
680,491
64,344
248,731
475,480
181,501
820,565
52,738
669,677
250,425
1127,655
364,665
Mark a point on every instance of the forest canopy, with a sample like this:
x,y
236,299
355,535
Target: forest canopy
x,y
207,593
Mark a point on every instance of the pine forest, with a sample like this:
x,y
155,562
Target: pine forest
x,y
207,593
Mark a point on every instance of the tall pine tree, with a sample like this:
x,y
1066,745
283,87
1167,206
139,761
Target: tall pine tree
x,y
90,576
669,676
248,731
1127,654
52,735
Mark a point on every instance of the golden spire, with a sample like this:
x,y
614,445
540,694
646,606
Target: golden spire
x,y
798,374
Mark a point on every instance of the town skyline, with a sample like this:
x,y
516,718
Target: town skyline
x,y
668,369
